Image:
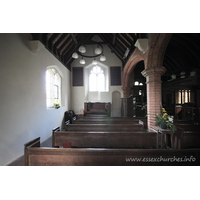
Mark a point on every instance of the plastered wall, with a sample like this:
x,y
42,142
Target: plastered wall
x,y
23,112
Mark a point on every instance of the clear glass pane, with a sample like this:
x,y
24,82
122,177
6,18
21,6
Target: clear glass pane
x,y
179,97
189,96
183,96
96,79
53,85
186,96
56,92
101,82
93,83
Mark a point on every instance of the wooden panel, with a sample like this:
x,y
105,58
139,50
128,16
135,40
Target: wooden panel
x,y
147,140
77,76
115,76
191,139
111,157
105,121
104,127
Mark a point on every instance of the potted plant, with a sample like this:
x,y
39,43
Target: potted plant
x,y
165,121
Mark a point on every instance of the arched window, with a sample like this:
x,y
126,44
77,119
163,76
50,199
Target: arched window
x,y
96,79
53,87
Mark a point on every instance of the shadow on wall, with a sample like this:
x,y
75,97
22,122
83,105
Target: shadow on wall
x,y
25,38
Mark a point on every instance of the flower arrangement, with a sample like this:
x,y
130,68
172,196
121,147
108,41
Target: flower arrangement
x,y
165,118
57,105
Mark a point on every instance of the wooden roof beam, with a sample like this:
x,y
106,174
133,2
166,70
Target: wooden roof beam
x,y
74,38
114,38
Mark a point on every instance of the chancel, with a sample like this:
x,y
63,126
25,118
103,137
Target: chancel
x,y
100,99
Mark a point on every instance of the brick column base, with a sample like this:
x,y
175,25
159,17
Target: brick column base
x,y
154,94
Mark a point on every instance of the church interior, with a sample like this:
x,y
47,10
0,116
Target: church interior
x,y
96,86
99,100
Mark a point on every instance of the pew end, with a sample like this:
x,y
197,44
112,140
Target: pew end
x,y
32,143
53,132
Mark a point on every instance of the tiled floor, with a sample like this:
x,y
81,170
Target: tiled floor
x,y
20,161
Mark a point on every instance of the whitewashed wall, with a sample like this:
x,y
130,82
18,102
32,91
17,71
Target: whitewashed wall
x,y
23,112
83,93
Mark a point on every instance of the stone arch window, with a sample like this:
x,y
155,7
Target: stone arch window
x,y
53,87
97,79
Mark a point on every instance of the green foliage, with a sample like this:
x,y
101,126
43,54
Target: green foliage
x,y
56,105
165,118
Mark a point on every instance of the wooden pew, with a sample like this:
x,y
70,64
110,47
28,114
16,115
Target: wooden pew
x,y
32,143
181,121
104,121
41,156
112,120
190,139
124,139
189,127
104,127
106,117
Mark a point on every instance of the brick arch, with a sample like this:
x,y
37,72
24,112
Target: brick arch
x,y
153,57
136,57
157,48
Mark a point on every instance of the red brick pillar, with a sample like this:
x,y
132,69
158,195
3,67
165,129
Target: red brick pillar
x,y
154,94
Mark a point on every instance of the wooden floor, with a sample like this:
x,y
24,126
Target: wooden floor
x,y
20,161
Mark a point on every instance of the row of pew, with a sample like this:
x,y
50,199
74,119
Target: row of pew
x,y
43,156
106,141
190,133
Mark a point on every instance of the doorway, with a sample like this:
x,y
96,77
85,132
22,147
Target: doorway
x,y
116,104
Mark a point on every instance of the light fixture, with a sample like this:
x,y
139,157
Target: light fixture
x,y
75,55
136,83
173,76
82,49
82,61
97,50
192,73
94,62
182,74
102,58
